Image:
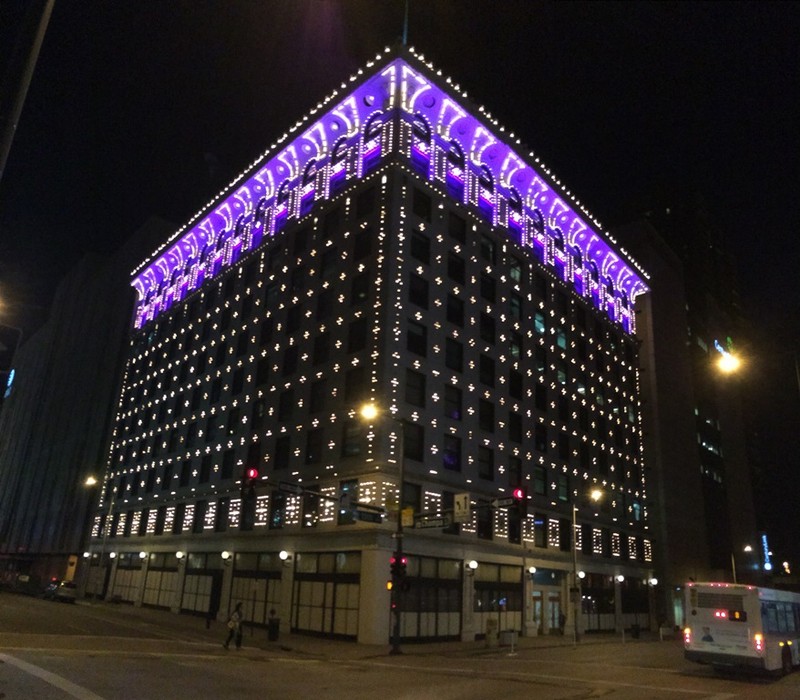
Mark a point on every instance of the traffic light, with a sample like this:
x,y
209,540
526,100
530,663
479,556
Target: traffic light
x,y
520,496
397,565
248,517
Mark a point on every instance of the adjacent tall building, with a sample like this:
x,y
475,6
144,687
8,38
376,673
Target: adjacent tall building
x,y
396,248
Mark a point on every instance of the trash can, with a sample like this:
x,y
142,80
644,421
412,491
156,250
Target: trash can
x,y
508,638
273,628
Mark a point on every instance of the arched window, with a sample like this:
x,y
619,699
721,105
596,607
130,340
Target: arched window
x,y
420,128
455,155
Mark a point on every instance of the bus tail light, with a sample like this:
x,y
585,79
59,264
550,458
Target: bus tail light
x,y
687,635
758,641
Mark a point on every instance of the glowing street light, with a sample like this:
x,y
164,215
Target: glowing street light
x,y
594,495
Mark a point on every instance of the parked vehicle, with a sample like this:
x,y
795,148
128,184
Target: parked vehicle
x,y
62,591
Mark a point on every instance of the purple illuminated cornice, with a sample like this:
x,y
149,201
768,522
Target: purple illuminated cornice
x,y
402,84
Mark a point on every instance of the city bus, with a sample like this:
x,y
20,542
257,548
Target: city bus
x,y
736,625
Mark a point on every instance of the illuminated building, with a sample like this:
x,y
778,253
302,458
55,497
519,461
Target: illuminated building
x,y
397,247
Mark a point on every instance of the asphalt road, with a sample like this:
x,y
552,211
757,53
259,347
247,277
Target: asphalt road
x,y
53,651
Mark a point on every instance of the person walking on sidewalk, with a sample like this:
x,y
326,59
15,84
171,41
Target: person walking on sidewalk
x,y
235,627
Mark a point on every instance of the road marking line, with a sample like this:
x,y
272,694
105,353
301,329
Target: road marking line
x,y
60,682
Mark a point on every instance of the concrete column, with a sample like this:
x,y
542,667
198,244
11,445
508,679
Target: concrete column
x,y
284,610
619,624
142,581
112,577
374,611
529,628
468,622
180,579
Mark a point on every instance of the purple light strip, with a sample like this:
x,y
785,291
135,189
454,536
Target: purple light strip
x,y
399,86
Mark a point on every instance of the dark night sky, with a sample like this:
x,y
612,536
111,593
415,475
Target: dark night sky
x,y
149,107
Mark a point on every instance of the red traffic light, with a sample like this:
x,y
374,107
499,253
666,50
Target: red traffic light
x,y
252,473
518,493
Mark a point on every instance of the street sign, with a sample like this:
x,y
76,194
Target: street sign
x,y
461,509
443,521
503,502
369,516
289,487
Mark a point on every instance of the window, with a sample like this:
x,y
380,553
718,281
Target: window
x,y
452,402
241,344
297,279
515,384
301,241
485,463
331,223
290,361
355,385
324,304
486,370
540,397
451,453
319,392
420,247
454,355
540,437
186,473
228,462
216,390
515,427
515,471
456,268
365,202
238,382
540,286
486,415
455,310
539,481
363,244
293,317
282,453
219,355
563,446
457,227
359,290
515,306
563,487
540,355
314,441
488,287
357,335
262,371
488,249
515,345
351,438
322,348
538,323
418,291
415,388
285,405
487,328
414,441
265,335
205,469
515,270
421,204
233,421
417,338
328,261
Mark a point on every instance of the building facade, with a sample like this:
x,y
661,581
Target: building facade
x,y
397,249
55,424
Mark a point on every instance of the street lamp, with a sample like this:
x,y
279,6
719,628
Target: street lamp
x,y
90,482
369,412
595,495
747,549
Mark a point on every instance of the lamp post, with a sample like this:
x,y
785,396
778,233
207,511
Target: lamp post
x,y
92,481
595,495
370,412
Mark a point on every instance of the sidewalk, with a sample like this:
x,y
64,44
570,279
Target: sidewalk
x,y
193,629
